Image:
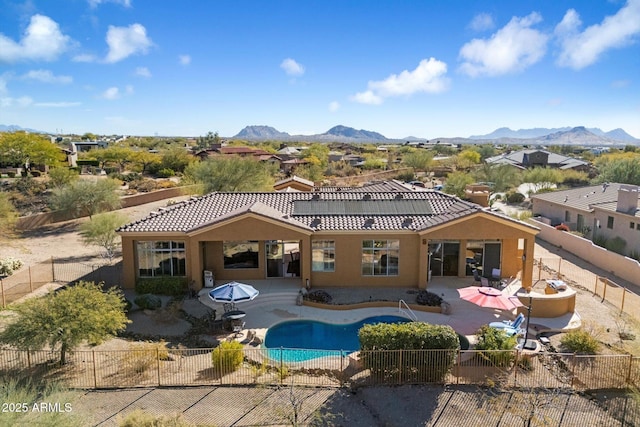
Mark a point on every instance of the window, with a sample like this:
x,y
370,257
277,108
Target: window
x,y
240,254
609,222
323,255
158,258
580,225
380,257
567,216
632,225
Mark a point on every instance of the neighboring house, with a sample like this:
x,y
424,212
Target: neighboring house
x,y
373,236
76,147
607,211
294,183
525,159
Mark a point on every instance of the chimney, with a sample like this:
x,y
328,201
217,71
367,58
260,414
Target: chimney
x,y
627,199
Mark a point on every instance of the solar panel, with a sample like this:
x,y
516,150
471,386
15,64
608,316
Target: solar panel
x,y
362,207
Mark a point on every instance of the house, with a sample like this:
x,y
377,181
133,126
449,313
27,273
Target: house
x,y
294,183
372,236
524,159
76,147
598,211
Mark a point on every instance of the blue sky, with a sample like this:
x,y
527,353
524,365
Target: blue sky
x,y
439,68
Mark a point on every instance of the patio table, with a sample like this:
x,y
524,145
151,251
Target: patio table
x,y
234,315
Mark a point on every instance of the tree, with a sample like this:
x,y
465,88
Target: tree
x,y
18,148
8,216
467,158
231,174
622,168
117,154
144,159
176,159
418,160
65,319
208,140
542,178
101,231
457,182
503,177
59,177
86,198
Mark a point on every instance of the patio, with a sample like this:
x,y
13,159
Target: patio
x,y
277,303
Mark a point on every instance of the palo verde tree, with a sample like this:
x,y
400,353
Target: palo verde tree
x,y
231,174
65,319
86,198
18,148
101,231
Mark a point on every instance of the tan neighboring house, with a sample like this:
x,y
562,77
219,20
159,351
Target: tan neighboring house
x,y
606,210
373,236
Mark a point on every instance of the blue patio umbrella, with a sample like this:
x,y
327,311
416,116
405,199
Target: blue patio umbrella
x,y
233,292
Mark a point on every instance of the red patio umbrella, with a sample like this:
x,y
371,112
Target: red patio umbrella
x,y
489,298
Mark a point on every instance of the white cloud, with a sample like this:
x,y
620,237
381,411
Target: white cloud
x,y
84,57
126,41
42,40
291,67
46,76
184,59
21,102
143,72
482,22
429,77
57,104
512,48
96,3
334,106
581,49
111,93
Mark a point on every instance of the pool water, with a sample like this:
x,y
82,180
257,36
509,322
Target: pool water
x,y
309,339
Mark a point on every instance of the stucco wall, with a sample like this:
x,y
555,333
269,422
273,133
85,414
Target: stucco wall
x,y
623,267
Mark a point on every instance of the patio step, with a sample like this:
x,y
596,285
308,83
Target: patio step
x,y
282,297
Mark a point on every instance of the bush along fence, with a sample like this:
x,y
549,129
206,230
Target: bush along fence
x,y
29,279
152,364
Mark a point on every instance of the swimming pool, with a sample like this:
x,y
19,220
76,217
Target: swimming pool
x,y
309,339
300,340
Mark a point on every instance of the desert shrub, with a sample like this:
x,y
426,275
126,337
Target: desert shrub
x,y
227,357
514,198
166,183
600,240
11,174
319,296
143,185
140,357
172,286
165,173
562,227
35,173
415,351
617,245
498,346
148,301
9,265
579,341
140,418
428,298
406,176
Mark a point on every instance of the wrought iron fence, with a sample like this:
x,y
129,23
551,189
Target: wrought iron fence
x,y
152,365
33,277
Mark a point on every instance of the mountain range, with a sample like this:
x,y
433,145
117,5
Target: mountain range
x,y
547,136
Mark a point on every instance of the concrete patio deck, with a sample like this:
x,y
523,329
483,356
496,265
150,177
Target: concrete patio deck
x,y
277,302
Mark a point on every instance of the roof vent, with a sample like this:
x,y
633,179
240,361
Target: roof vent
x,y
366,197
407,222
369,222
316,222
316,196
399,196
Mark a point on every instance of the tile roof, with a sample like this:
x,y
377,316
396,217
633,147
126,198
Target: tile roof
x,y
584,198
517,158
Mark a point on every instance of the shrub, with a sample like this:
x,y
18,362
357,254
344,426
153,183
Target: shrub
x,y
148,301
165,173
140,357
428,298
172,286
319,296
9,265
579,341
498,346
562,227
409,360
227,357
514,198
140,418
36,173
617,245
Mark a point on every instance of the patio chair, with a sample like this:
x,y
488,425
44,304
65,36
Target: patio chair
x,y
237,328
495,273
476,275
484,282
508,324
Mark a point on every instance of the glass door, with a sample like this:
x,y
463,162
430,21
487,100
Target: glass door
x,y
275,258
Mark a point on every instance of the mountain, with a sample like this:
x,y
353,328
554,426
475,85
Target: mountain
x,y
347,132
541,133
575,136
261,132
14,128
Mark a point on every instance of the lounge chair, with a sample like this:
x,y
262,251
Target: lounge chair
x,y
508,324
476,275
237,328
